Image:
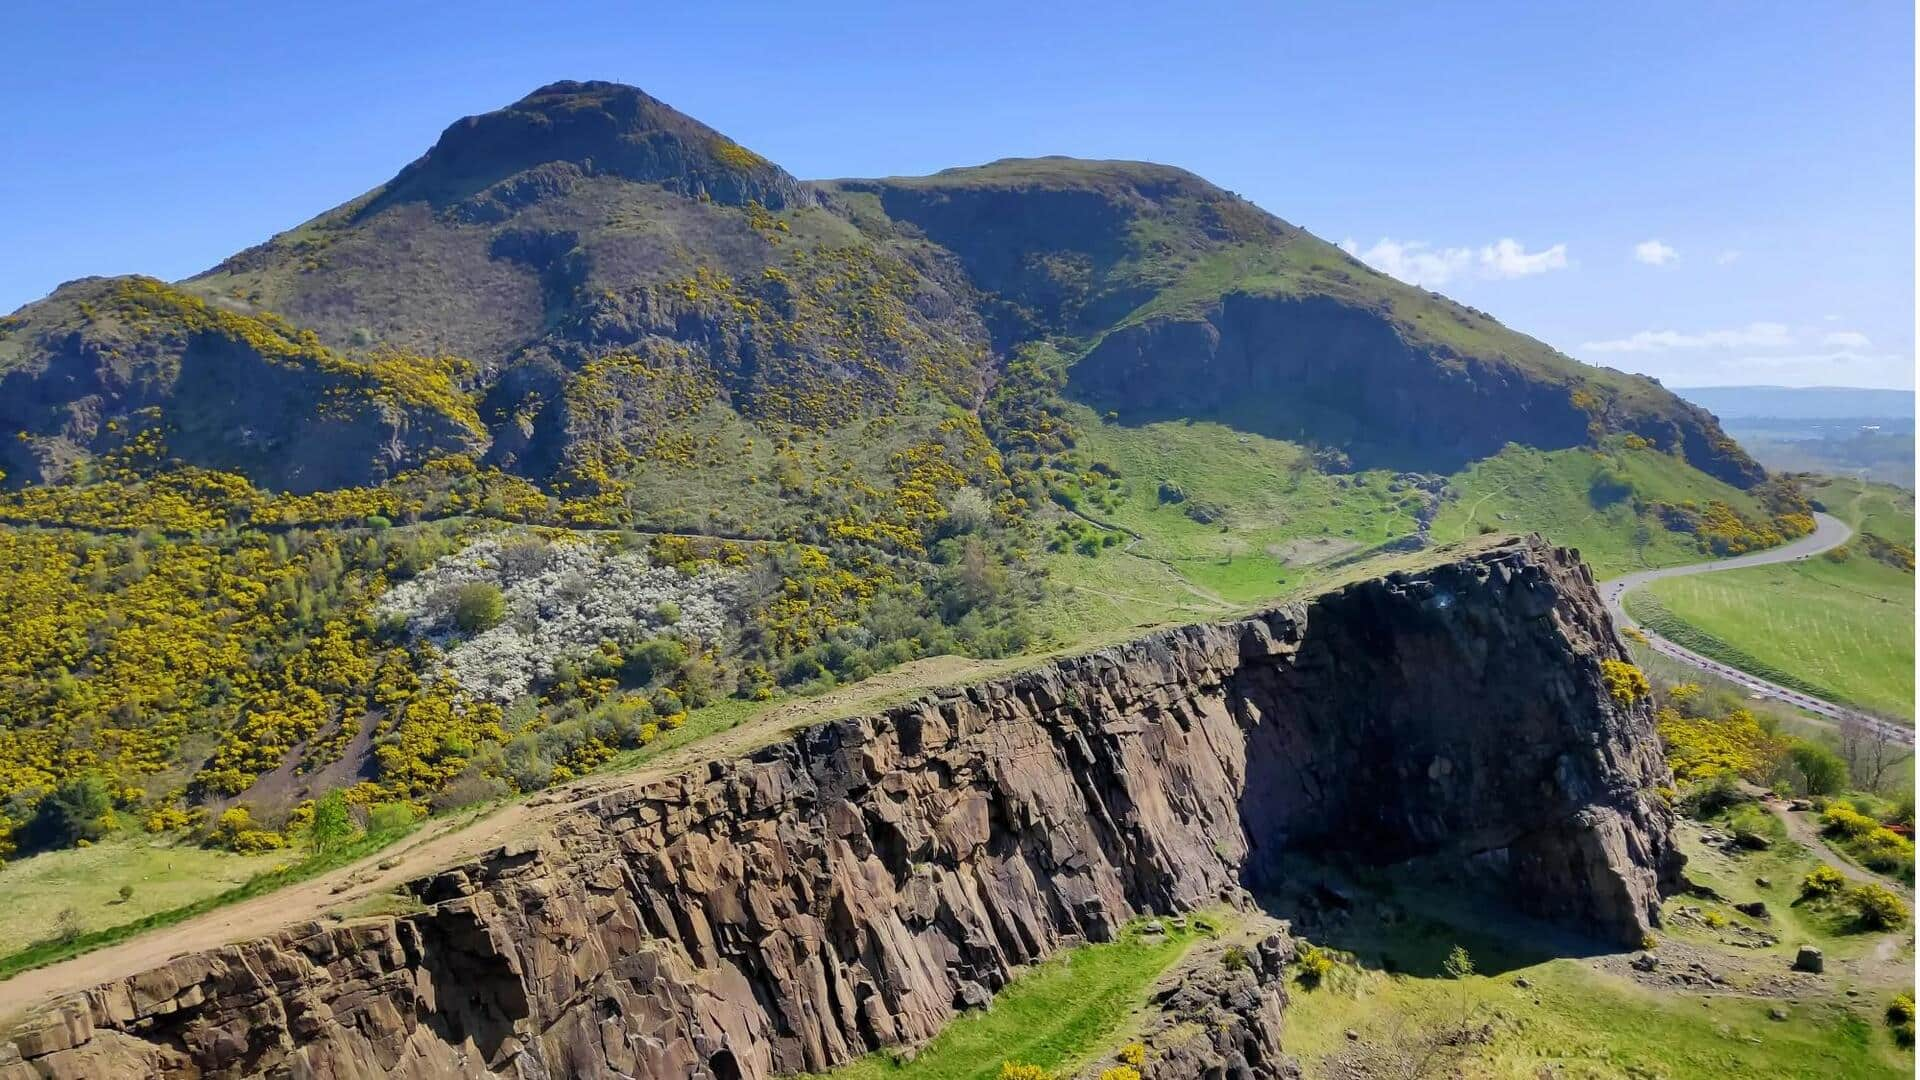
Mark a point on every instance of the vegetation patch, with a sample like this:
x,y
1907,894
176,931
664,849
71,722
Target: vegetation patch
x,y
1048,1020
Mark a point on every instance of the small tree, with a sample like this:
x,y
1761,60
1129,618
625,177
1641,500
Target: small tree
x,y
1458,965
76,810
332,823
126,893
478,606
1820,770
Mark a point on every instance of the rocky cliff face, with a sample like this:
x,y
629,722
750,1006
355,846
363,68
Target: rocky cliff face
x,y
1325,371
852,887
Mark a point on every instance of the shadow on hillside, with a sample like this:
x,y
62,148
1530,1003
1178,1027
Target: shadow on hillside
x,y
1402,921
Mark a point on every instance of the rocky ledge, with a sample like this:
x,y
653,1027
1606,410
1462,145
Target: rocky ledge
x,y
855,885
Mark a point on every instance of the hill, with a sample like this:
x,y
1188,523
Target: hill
x,y
1800,402
591,417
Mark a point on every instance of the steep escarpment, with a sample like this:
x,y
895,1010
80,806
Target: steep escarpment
x,y
853,886
1324,370
1313,369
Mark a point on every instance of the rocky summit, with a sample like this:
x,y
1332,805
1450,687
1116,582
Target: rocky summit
x,y
854,885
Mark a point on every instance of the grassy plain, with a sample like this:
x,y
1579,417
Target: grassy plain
x,y
164,873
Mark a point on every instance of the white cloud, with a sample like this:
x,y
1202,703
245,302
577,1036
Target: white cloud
x,y
1654,252
1847,339
1419,263
1727,257
1759,335
1507,259
1414,262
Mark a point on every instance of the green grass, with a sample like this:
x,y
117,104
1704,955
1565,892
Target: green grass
x,y
165,873
1573,1021
1276,523
702,722
53,950
1881,509
1579,1018
1054,1016
1526,490
1784,864
1841,631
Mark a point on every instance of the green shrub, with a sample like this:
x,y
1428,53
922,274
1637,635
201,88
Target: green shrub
x,y
388,817
478,606
1877,907
73,812
1315,964
1712,797
1823,882
332,823
1820,770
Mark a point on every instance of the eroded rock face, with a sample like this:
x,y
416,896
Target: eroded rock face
x,y
852,887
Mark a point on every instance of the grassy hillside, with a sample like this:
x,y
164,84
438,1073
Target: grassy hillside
x,y
1841,630
1240,516
1598,501
1884,510
79,891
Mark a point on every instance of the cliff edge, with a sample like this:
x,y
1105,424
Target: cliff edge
x,y
856,884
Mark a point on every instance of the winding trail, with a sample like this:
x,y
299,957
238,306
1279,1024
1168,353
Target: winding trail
x,y
1829,533
1802,832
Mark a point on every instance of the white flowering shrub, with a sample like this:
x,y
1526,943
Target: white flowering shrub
x,y
562,599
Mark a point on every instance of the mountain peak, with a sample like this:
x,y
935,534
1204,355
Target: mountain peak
x,y
593,128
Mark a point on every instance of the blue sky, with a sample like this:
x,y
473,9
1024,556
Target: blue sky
x,y
1712,193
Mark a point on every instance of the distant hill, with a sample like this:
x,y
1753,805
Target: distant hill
x,y
1837,430
462,307
1800,403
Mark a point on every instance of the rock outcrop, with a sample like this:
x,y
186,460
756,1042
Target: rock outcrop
x,y
1218,1016
853,886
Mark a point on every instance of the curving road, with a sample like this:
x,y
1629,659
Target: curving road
x,y
1829,532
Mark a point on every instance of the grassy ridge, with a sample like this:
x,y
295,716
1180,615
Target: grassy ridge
x,y
1550,492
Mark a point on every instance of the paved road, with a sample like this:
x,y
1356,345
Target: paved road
x,y
1829,532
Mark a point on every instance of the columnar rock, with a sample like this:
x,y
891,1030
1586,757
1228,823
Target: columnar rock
x,y
853,886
